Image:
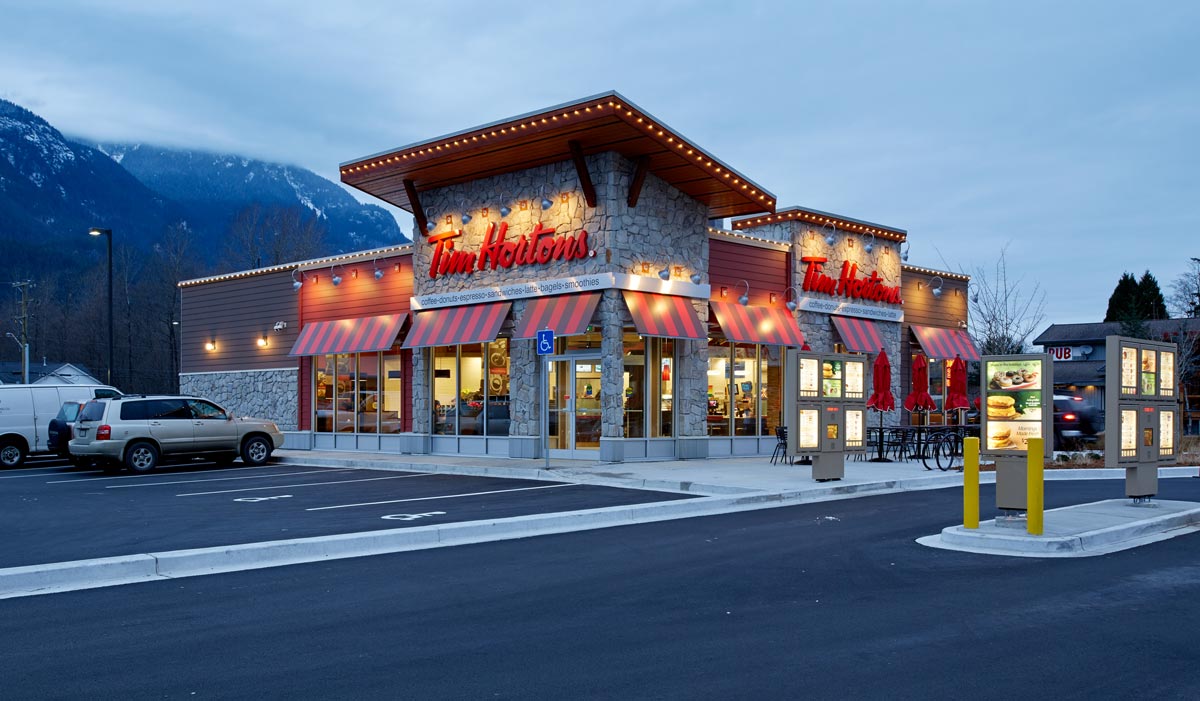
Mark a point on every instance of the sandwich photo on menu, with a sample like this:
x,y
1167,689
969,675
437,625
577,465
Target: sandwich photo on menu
x,y
1001,407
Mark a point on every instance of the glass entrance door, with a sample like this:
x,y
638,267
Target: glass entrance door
x,y
573,407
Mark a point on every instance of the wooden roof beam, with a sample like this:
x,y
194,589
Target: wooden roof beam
x,y
585,178
639,177
418,211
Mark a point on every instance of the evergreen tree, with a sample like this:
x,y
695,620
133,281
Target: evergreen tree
x,y
1122,305
1150,301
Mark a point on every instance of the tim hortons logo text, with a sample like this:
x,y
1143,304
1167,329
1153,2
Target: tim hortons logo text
x,y
541,246
848,284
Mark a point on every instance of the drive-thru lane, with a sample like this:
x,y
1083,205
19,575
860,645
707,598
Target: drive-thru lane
x,y
56,514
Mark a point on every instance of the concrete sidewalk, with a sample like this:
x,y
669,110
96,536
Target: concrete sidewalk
x,y
722,485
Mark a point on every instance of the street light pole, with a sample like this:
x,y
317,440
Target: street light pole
x,y
107,234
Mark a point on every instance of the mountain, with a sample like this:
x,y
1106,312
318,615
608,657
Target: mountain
x,y
211,188
53,188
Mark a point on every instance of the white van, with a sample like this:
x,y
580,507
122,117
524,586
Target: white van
x,y
26,411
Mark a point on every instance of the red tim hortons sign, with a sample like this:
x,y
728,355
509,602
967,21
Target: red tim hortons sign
x,y
539,247
848,284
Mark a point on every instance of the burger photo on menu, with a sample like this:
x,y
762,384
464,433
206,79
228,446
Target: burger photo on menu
x,y
1002,407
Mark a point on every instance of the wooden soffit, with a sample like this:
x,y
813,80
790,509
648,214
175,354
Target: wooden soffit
x,y
606,122
815,217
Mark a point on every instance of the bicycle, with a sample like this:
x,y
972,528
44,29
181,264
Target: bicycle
x,y
945,449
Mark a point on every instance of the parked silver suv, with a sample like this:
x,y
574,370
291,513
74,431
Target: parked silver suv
x,y
138,431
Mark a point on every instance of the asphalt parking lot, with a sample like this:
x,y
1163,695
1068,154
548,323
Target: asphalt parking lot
x,y
52,512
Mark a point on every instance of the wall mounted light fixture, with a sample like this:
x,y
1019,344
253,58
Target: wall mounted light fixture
x,y
547,203
870,245
465,217
831,237
696,278
334,277
297,282
210,346
904,252
378,270
505,210
936,290
791,304
665,273
745,298
262,341
724,292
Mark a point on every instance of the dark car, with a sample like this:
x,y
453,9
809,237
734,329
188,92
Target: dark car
x,y
59,434
1076,423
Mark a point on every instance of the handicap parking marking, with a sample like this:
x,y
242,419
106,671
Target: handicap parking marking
x,y
170,473
447,496
411,517
304,484
325,470
255,500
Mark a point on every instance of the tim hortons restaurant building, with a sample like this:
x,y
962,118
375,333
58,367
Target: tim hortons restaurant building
x,y
593,220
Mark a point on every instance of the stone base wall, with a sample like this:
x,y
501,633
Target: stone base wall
x,y
263,394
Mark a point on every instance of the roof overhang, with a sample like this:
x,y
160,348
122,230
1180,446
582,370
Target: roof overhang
x,y
605,122
819,218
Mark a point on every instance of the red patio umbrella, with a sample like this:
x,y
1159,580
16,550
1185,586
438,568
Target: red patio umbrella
x,y
957,396
918,398
881,398
881,383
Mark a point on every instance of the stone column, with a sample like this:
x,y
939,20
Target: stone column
x,y
691,395
422,403
525,398
610,313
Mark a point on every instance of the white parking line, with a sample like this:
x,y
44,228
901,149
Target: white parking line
x,y
17,477
327,470
448,496
44,467
157,474
306,484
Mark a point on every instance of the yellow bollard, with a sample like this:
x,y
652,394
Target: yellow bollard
x,y
971,482
1035,487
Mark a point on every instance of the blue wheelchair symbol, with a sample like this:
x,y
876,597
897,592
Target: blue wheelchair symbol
x,y
545,342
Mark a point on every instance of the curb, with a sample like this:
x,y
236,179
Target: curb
x,y
1094,542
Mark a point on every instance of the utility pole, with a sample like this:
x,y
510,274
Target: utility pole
x,y
23,322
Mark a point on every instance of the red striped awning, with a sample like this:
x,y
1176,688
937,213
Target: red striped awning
x,y
567,315
859,335
751,324
665,315
453,326
363,335
944,344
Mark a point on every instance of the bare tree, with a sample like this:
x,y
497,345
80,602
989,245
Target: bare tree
x,y
1004,311
269,236
1184,299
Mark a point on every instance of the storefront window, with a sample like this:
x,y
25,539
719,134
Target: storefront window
x,y
343,395
635,385
366,399
937,389
743,390
662,379
470,389
720,363
391,408
445,389
770,388
324,385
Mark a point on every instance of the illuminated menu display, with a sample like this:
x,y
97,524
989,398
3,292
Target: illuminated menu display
x,y
831,379
854,427
1129,383
810,369
809,436
854,379
1166,374
1128,433
1016,399
1166,432
1149,371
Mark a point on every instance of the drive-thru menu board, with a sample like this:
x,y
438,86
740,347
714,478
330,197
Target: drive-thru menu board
x,y
1018,402
825,404
1141,404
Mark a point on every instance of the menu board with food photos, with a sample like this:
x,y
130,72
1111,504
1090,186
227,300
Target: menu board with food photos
x,y
1166,374
854,378
831,379
810,369
1018,400
1149,371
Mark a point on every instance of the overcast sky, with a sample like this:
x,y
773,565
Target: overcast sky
x,y
1066,131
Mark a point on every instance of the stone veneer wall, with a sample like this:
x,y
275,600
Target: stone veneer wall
x,y
263,394
665,228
